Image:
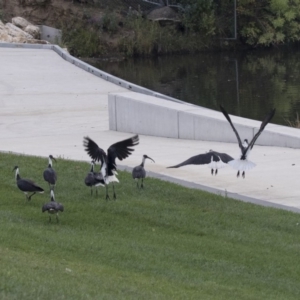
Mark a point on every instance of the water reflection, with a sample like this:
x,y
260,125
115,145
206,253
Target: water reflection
x,y
247,84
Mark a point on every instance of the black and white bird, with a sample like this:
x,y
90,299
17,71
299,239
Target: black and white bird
x,y
214,160
120,150
94,179
243,164
139,171
52,207
49,174
27,185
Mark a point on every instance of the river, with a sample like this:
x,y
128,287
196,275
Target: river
x,y
248,84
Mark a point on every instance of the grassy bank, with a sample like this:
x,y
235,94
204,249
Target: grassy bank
x,y
163,242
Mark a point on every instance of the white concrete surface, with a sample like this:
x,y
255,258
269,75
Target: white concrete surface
x,y
48,105
129,112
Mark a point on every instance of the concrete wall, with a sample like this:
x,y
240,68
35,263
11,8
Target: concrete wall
x,y
50,34
143,114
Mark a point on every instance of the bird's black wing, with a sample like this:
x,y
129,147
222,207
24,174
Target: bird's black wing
x,y
28,185
93,150
50,175
224,156
264,123
230,122
138,172
52,205
201,159
59,206
89,179
120,150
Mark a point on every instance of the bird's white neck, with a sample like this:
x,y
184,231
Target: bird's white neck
x,y
143,161
50,161
16,173
52,195
92,167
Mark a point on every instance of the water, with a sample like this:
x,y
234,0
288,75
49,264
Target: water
x,y
247,84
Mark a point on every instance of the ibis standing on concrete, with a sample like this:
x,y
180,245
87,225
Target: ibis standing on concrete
x,y
139,172
243,164
49,174
214,160
52,207
119,150
27,185
94,179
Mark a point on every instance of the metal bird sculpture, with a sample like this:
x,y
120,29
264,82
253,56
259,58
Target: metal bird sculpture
x,y
26,185
120,150
139,171
214,160
243,164
94,179
52,207
49,174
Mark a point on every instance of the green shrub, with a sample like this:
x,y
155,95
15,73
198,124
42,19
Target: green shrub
x,y
82,42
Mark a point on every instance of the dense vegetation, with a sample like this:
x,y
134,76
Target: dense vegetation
x,y
205,25
163,242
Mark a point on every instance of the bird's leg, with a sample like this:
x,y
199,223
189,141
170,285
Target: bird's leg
x,y
142,185
137,183
57,220
107,196
238,174
29,198
115,197
49,218
216,171
243,174
212,171
91,191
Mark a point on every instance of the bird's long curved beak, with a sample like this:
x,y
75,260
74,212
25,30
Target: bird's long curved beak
x,y
150,158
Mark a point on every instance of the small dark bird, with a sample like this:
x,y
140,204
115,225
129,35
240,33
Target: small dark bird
x,y
119,150
27,185
139,172
52,207
243,164
214,160
94,179
49,174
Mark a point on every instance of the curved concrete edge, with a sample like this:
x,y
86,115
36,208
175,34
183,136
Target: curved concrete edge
x,y
216,191
143,114
85,66
193,185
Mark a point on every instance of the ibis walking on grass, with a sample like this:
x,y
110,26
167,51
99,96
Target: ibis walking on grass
x,y
27,185
243,164
94,179
214,160
52,207
120,150
49,174
139,171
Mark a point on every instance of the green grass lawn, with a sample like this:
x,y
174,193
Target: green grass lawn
x,y
163,242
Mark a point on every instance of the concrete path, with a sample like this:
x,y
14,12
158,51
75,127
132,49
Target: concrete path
x,y
48,105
